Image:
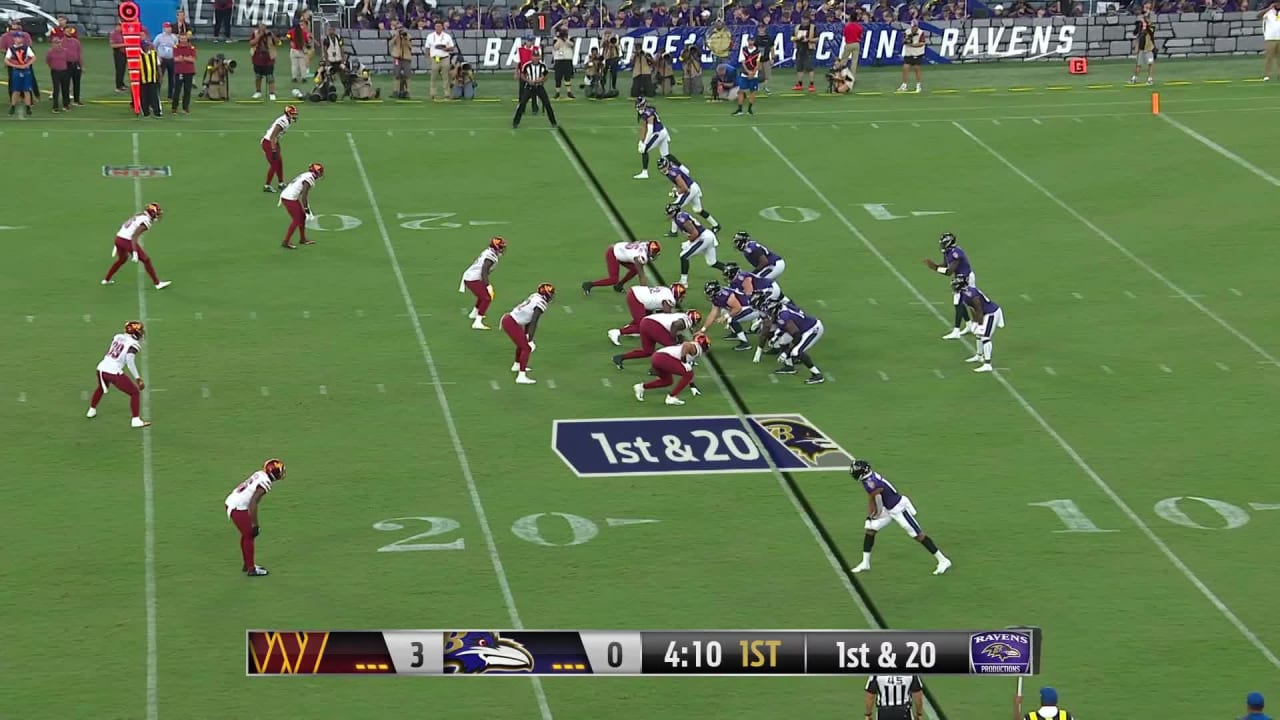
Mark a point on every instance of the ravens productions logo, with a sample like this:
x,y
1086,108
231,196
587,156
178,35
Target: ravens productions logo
x,y
804,441
473,653
1001,651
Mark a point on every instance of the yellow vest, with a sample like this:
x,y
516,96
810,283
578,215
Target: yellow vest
x,y
1062,715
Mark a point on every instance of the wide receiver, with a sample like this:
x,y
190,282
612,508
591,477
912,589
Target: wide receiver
x,y
271,147
521,323
121,354
476,279
658,331
671,361
242,508
295,198
643,300
635,255
128,244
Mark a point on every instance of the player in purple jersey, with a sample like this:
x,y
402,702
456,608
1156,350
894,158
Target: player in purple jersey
x,y
764,262
699,240
686,193
653,136
749,282
885,505
987,316
733,303
804,331
956,264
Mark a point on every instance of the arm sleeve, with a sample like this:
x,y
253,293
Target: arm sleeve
x,y
130,359
871,684
916,685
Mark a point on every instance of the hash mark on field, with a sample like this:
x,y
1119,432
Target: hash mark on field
x,y
568,309
199,316
877,127
253,314
22,397
883,375
1077,296
264,390
594,131
1036,121
473,133
306,134
872,301
421,314
551,383
1236,292
835,127
1254,505
822,303
715,129
87,318
1130,295
494,384
1026,297
84,395
915,124
1188,295
938,373
606,382
306,314
793,127
391,134
204,392
31,318
45,134
773,378
324,390
1222,367
1164,368
622,522
1108,370
1050,370
1077,119
617,308
381,388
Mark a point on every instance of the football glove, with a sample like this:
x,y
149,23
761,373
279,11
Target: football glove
x,y
135,257
533,346
256,530
640,146
694,389
141,385
490,292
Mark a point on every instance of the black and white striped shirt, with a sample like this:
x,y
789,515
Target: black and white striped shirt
x,y
893,690
534,72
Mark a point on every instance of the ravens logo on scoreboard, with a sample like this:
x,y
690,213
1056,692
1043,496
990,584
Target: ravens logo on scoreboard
x,y
1002,651
472,653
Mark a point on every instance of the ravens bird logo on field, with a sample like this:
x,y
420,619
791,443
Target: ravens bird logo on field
x,y
1001,651
805,441
472,653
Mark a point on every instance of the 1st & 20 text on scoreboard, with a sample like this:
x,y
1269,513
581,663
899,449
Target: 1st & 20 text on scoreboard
x,y
1008,651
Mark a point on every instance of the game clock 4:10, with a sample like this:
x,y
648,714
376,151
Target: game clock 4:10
x,y
729,653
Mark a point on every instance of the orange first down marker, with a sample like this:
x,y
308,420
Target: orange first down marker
x,y
1155,103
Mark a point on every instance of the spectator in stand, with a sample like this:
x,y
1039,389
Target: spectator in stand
x,y
59,81
222,19
660,17
440,47
882,12
262,48
19,58
852,49
116,40
75,61
184,73
164,44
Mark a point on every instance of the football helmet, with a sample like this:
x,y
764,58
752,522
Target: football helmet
x,y
702,340
498,244
731,271
760,299
316,169
655,248
672,209
291,111
641,103
711,289
694,318
274,468
959,283
860,469
740,239
154,211
947,241
678,291
548,291
663,164
134,329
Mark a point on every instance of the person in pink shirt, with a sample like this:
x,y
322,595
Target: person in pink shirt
x,y
75,61
59,81
116,39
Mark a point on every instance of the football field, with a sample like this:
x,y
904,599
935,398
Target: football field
x,y
1109,483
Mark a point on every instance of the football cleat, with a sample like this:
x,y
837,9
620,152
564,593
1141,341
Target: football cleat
x,y
744,345
547,291
108,282
586,288
814,380
983,368
139,423
257,571
943,565
163,284
655,249
973,359
154,210
860,567
291,111
316,169
638,389
498,244
617,361
673,400
953,335
274,468
135,329
740,239
93,412
678,290
615,337
619,287
785,370
523,379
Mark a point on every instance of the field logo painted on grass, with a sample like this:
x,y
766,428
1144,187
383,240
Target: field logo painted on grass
x,y
139,172
611,447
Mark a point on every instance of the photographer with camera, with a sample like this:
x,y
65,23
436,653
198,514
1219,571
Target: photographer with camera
x,y
440,47
400,48
184,68
262,46
612,52
562,57
641,74
1270,17
334,66
594,71
691,61
216,84
462,80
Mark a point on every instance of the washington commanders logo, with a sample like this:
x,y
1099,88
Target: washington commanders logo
x,y
286,653
140,172
804,440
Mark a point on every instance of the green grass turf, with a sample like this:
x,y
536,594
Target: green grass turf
x,y
1157,397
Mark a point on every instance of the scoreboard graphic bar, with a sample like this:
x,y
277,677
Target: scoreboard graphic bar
x,y
1008,651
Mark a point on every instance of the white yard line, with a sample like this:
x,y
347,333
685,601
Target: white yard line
x,y
463,463
1035,415
841,572
1120,247
148,483
1222,151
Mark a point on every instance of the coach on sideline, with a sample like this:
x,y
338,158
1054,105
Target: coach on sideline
x,y
1255,704
533,75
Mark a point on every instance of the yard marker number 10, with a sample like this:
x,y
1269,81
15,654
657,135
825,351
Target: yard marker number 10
x,y
1008,651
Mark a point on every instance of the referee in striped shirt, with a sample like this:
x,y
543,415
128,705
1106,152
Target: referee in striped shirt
x,y
892,697
533,75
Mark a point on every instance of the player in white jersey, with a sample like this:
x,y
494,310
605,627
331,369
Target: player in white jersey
x,y
670,362
111,372
271,147
635,255
660,330
242,508
476,279
521,323
296,199
643,300
128,245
